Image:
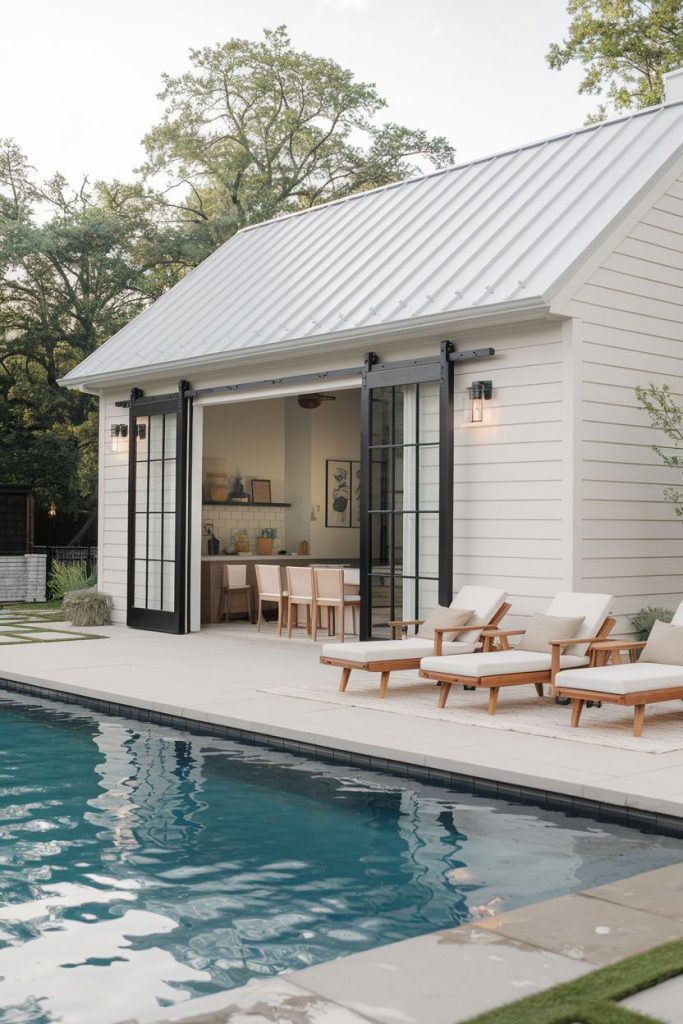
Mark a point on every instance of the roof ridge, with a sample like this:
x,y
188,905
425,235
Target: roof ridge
x,y
354,196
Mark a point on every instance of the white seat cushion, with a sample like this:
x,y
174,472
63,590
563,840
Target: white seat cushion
x,y
411,648
623,679
497,663
484,602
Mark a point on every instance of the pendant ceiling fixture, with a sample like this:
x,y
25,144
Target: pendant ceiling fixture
x,y
315,400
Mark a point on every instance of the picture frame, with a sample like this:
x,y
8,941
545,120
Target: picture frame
x,y
338,493
355,494
260,491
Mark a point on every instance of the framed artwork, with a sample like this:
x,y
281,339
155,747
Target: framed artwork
x,y
355,494
260,490
337,493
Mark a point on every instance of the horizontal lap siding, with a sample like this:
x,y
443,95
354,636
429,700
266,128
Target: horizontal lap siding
x,y
112,564
509,518
631,319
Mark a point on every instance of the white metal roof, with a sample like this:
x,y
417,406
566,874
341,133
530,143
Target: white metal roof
x,y
499,231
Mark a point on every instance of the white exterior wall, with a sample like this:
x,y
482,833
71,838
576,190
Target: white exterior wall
x,y
629,331
513,472
113,509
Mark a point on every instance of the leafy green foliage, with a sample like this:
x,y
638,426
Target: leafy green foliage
x,y
625,47
645,618
666,415
68,576
254,130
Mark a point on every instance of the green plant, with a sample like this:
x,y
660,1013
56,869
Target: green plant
x,y
644,620
667,416
68,576
87,607
269,532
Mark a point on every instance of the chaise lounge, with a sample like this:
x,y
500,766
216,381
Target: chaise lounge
x,y
539,656
657,676
487,607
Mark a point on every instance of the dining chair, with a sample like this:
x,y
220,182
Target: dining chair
x,y
235,582
299,593
269,583
328,588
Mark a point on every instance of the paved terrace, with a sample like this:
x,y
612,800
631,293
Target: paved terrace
x,y
223,676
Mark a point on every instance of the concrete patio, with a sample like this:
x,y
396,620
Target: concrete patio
x,y
222,676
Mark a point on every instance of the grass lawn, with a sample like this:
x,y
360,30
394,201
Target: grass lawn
x,y
30,606
593,998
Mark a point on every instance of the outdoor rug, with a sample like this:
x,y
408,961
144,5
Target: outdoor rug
x,y
519,710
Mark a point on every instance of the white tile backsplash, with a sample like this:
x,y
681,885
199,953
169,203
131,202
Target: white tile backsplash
x,y
227,519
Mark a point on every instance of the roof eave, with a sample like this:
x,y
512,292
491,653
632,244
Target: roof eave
x,y
512,311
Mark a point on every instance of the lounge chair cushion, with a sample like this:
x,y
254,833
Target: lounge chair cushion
x,y
664,645
497,663
594,609
485,602
440,618
544,628
623,679
364,651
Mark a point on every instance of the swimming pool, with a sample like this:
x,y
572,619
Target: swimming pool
x,y
141,866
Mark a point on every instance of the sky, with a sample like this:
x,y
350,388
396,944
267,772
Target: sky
x,y
79,78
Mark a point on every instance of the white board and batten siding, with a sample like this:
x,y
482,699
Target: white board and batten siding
x,y
629,332
511,518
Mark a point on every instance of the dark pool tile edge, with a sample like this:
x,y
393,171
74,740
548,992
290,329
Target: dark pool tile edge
x,y
665,824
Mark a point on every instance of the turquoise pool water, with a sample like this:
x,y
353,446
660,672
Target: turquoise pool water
x,y
140,866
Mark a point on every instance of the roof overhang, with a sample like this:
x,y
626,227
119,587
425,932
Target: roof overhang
x,y
493,315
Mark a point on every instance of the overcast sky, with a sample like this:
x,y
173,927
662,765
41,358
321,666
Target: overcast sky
x,y
79,78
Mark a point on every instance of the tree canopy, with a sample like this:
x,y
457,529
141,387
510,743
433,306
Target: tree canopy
x,y
625,47
256,129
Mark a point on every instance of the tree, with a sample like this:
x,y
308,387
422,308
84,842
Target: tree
x,y
625,46
666,415
75,266
254,130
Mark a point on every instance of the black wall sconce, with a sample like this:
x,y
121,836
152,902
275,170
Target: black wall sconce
x,y
479,391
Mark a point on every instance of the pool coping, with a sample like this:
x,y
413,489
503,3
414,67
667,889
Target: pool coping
x,y
605,810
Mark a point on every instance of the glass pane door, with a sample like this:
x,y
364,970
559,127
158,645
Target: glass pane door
x,y
156,524
403,506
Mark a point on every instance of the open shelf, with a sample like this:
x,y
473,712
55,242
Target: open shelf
x,y
251,504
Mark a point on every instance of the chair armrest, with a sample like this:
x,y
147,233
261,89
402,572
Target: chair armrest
x,y
577,640
396,624
440,632
503,632
619,645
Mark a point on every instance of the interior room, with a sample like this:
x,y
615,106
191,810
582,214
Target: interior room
x,y
281,487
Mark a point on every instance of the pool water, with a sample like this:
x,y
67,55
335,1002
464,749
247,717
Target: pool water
x,y
142,866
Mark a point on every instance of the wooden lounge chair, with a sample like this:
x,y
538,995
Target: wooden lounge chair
x,y
387,656
632,684
512,667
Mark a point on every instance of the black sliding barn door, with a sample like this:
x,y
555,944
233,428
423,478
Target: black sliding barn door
x,y
157,511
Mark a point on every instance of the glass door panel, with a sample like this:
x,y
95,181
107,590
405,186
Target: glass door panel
x,y
402,525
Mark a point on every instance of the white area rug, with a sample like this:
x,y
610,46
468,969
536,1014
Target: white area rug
x,y
519,710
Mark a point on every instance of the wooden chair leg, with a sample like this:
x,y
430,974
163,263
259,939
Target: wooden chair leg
x,y
539,689
344,681
638,719
342,623
289,619
308,619
259,617
444,690
314,615
384,684
280,611
577,708
227,614
493,700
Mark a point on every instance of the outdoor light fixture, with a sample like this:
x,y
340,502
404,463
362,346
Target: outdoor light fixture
x,y
479,391
140,431
52,510
119,437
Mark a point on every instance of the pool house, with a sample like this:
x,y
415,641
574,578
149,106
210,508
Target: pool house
x,y
431,383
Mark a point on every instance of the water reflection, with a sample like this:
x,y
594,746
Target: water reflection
x,y
142,866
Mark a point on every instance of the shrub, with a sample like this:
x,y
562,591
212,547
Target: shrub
x,y
87,607
68,576
644,620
